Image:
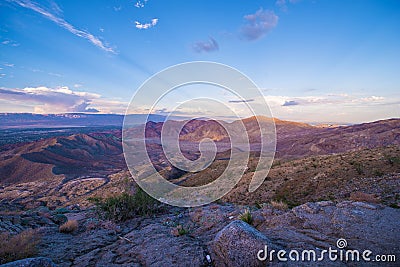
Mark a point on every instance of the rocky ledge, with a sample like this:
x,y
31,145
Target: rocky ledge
x,y
213,236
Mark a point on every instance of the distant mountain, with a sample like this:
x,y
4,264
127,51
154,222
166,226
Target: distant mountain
x,y
100,153
31,120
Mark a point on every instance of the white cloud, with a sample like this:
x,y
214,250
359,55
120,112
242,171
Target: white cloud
x,y
64,24
146,25
140,4
369,99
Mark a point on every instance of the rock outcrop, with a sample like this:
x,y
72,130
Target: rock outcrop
x,y
237,244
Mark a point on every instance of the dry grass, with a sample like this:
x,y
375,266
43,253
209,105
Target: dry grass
x,y
69,226
279,205
20,246
364,197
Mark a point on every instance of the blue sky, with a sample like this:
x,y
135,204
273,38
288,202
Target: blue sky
x,y
315,61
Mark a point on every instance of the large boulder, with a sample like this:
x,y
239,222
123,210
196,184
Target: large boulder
x,y
31,262
238,244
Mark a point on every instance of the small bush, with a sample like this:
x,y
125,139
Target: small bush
x,y
279,205
246,216
69,226
20,246
125,206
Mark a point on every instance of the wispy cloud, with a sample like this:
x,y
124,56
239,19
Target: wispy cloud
x,y
55,17
117,8
283,4
206,46
258,24
61,99
146,25
10,43
241,101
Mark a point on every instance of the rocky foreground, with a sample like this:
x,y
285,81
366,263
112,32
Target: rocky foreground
x,y
210,235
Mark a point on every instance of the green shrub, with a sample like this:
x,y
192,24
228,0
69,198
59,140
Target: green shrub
x,y
246,216
125,205
182,230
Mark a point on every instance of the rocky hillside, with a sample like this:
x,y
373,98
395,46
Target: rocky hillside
x,y
73,156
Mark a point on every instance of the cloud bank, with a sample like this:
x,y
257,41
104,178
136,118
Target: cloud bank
x,y
336,108
61,99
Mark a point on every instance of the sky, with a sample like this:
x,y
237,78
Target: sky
x,y
314,61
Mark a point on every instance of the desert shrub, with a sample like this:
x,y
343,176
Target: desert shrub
x,y
286,197
363,197
276,163
378,173
20,246
179,230
69,226
279,205
392,160
246,216
125,205
359,167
